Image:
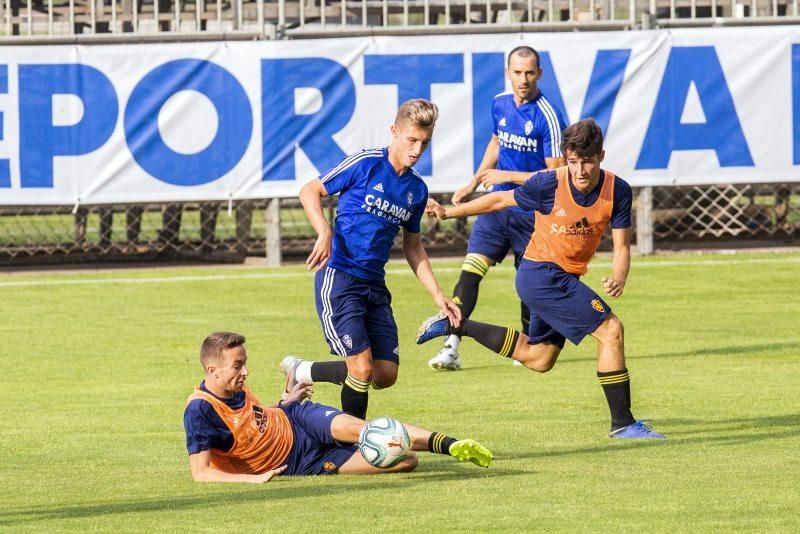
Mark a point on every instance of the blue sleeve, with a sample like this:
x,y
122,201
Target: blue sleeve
x,y
202,433
623,201
343,175
538,193
552,124
414,224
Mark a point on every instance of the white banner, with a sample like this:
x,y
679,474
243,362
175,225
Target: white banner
x,y
218,121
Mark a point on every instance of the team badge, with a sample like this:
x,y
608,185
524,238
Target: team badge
x,y
410,198
528,127
329,466
348,341
597,305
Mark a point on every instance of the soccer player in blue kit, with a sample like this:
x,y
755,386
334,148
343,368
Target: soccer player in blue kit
x,y
379,193
526,138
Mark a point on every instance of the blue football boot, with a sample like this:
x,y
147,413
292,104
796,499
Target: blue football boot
x,y
637,430
436,326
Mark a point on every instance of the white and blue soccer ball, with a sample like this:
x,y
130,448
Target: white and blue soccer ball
x,y
384,442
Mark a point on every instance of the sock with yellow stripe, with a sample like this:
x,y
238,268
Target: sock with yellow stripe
x,y
498,339
617,387
439,443
473,270
355,397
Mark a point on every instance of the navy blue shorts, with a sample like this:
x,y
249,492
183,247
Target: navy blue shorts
x,y
356,314
497,232
314,451
561,305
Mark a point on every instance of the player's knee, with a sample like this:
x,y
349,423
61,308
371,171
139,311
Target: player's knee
x,y
613,331
541,365
384,380
360,369
409,463
541,357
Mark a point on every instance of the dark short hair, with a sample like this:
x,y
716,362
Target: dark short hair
x,y
585,138
216,344
523,51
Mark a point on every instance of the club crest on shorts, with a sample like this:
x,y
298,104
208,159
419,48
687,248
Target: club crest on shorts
x,y
410,198
347,340
528,127
329,466
597,305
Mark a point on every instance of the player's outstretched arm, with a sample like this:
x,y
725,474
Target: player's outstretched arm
x,y
489,161
202,471
621,264
311,198
418,260
485,204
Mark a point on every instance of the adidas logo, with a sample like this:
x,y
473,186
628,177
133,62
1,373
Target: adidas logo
x,y
502,122
378,187
561,213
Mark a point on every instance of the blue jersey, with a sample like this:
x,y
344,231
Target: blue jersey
x,y
539,194
374,202
527,134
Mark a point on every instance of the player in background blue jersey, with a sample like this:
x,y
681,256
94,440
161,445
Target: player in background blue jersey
x,y
526,138
379,193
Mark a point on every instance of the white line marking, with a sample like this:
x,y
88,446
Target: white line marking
x,y
603,264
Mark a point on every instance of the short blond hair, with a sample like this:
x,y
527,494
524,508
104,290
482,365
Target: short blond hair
x,y
419,112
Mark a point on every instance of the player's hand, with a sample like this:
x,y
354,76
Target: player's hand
x,y
490,177
463,193
269,475
432,207
300,392
320,253
613,287
450,309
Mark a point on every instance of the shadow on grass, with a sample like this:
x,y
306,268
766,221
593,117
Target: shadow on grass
x,y
690,432
282,488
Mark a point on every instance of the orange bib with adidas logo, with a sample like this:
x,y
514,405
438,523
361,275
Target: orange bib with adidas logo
x,y
570,234
262,437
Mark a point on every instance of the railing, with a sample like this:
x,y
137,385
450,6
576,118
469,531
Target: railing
x,y
102,20
664,217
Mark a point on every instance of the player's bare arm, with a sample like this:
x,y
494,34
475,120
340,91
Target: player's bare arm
x,y
200,464
490,177
485,204
621,264
417,258
311,196
489,162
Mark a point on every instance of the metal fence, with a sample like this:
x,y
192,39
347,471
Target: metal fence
x,y
665,217
124,20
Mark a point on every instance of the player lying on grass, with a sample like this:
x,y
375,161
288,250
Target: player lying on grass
x,y
574,205
232,437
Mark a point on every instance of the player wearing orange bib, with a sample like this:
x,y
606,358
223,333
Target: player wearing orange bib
x,y
232,437
573,205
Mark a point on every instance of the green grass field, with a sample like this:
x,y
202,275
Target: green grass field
x,y
98,366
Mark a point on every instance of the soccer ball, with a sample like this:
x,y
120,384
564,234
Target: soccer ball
x,y
384,442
